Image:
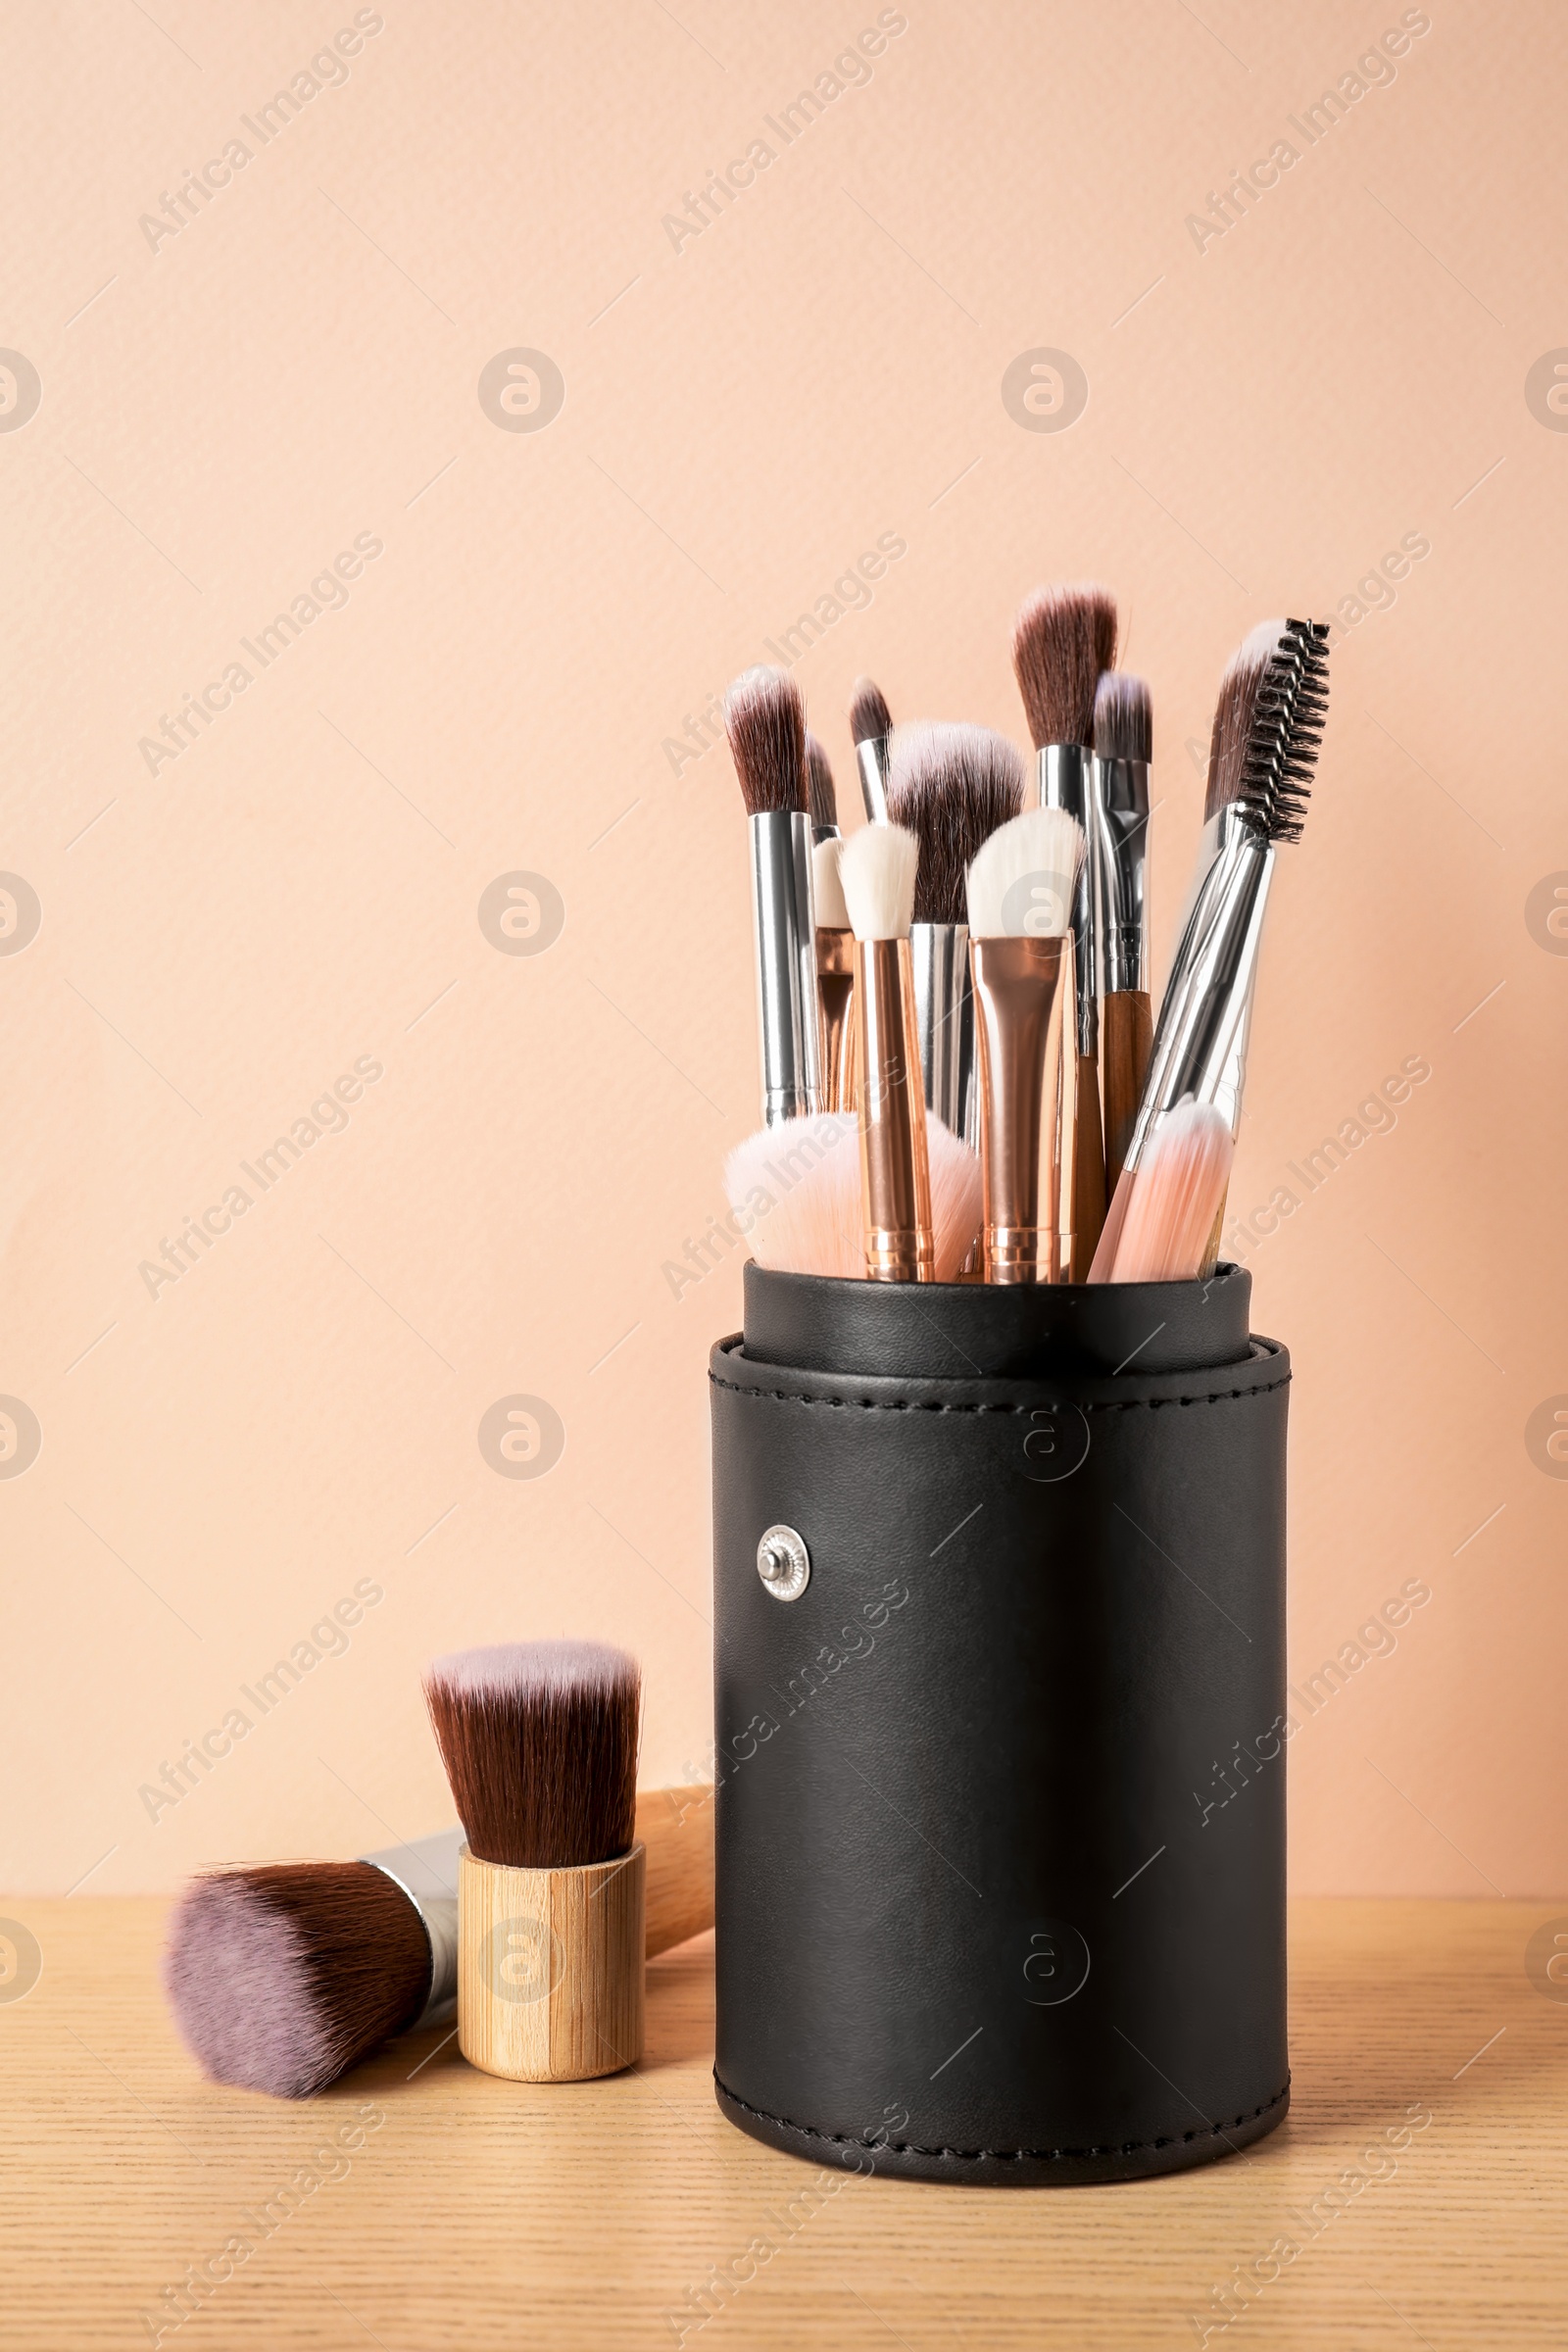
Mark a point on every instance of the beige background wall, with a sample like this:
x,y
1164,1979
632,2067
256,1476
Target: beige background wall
x,y
1271,410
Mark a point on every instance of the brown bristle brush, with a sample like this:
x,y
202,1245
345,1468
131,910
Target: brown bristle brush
x,y
1063,639
821,794
1124,730
764,718
539,1741
283,1975
870,725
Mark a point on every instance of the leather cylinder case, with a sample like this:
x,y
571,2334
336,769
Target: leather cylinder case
x,y
1000,1712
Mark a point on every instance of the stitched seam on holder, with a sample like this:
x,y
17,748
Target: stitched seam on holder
x,y
877,1404
906,2147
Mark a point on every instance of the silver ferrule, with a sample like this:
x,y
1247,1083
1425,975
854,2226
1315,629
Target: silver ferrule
x,y
1228,825
1199,1045
1064,774
872,759
821,833
944,1014
1119,829
785,934
426,1870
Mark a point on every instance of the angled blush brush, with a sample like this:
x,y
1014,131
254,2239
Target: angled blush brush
x,y
1120,858
539,1741
765,721
1063,639
871,726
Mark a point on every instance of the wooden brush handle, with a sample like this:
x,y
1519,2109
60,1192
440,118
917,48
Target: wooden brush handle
x,y
550,1968
1126,1033
1088,1170
676,1827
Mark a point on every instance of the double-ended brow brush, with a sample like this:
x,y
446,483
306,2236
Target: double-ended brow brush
x,y
539,1741
871,726
1063,639
284,1975
1021,892
765,721
877,870
950,787
1199,1042
1118,860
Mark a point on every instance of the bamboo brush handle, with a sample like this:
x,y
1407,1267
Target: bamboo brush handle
x,y
676,1827
1126,1033
1088,1170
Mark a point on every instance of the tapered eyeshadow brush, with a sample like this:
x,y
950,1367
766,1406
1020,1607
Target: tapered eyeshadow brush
x,y
821,794
951,787
1119,858
765,721
1063,639
871,726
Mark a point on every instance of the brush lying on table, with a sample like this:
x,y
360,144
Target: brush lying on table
x,y
284,1975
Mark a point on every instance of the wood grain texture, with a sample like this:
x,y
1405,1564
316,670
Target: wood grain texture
x,y
1126,1034
676,1827
449,2203
550,1968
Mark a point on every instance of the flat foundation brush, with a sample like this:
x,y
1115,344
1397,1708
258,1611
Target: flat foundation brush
x,y
1200,1041
1062,640
950,787
1021,891
539,1741
877,870
284,1975
871,726
765,721
1119,858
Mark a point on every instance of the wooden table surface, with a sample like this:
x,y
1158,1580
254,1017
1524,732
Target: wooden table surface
x,y
474,2213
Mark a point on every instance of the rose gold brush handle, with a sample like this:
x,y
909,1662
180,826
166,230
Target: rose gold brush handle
x,y
1126,1032
895,1174
835,991
1088,1171
1025,1035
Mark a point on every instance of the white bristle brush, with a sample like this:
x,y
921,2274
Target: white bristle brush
x,y
1177,1191
796,1193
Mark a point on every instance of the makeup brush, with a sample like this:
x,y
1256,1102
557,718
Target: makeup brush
x,y
797,1197
1119,858
870,725
821,796
1200,1038
539,1741
1182,1177
835,973
1063,638
1021,892
283,1975
765,721
877,870
950,787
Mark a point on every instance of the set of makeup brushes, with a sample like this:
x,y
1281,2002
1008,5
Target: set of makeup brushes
x,y
530,1923
960,989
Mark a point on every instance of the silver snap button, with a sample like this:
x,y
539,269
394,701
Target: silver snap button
x,y
783,1563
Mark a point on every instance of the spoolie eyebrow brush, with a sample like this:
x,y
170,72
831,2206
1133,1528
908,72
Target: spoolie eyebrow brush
x,y
766,720
1063,638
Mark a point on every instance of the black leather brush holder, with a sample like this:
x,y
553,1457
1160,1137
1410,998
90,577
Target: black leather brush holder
x,y
1000,1689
